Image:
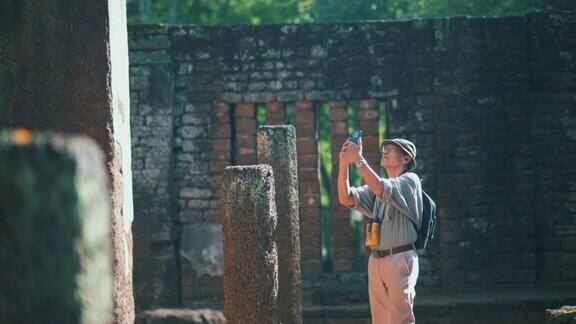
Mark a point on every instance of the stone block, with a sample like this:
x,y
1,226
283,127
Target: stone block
x,y
277,148
250,253
54,241
180,315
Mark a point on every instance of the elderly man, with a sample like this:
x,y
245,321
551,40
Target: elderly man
x,y
396,203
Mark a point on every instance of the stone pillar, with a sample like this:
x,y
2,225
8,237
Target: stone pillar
x,y
55,251
310,225
342,257
72,72
277,148
249,235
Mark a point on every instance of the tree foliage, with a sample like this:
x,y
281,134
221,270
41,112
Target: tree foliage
x,y
233,12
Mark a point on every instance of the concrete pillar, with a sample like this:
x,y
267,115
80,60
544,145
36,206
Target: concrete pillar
x,y
249,235
55,251
70,60
277,148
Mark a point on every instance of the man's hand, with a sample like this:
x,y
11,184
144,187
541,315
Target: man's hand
x,y
351,152
344,156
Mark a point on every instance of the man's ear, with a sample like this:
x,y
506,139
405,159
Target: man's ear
x,y
406,159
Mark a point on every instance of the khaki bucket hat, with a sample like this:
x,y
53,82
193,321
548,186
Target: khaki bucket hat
x,y
406,146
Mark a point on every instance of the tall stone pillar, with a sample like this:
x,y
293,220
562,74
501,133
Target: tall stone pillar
x,y
55,251
250,255
277,148
70,60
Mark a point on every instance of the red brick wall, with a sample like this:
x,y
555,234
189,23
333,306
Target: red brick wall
x,y
309,187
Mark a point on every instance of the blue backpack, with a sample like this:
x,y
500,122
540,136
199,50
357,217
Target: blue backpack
x,y
429,216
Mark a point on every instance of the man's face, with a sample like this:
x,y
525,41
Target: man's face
x,y
393,157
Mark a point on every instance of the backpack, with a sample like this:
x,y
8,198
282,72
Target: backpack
x,y
429,217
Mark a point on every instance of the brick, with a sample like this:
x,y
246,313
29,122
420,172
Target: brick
x,y
338,114
310,211
275,112
339,129
247,110
370,104
222,108
220,131
246,142
369,128
312,200
222,145
304,105
307,146
245,126
369,115
337,104
308,160
306,130
309,187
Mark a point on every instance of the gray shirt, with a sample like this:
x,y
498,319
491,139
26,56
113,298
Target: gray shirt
x,y
399,206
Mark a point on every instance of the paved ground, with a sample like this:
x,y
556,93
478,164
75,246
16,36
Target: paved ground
x,y
348,304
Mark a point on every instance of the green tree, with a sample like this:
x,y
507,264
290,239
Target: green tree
x,y
219,12
227,12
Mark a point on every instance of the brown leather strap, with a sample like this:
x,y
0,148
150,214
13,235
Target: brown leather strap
x,y
398,249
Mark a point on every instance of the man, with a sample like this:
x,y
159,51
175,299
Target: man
x,y
397,203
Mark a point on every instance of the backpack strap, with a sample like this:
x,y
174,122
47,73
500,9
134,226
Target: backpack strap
x,y
385,211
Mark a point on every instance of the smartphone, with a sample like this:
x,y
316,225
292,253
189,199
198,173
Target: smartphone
x,y
355,137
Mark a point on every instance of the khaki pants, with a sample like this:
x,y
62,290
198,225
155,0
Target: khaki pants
x,y
391,282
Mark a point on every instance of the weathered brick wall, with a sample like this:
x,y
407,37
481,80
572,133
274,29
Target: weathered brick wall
x,y
553,128
483,170
489,103
156,240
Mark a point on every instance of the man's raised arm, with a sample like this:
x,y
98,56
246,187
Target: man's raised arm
x,y
344,194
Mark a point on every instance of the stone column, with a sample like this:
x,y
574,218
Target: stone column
x,y
72,77
249,234
55,251
277,148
